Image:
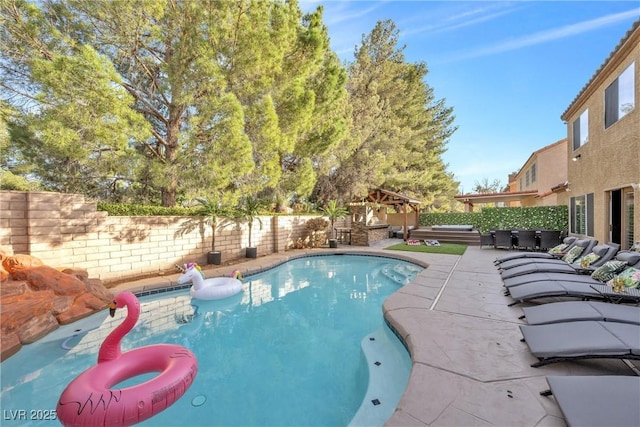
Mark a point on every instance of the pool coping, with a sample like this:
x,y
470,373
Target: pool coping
x,y
469,366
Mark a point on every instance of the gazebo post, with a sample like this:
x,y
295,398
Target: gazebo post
x,y
405,233
399,201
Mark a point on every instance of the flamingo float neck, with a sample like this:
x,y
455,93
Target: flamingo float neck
x,y
110,348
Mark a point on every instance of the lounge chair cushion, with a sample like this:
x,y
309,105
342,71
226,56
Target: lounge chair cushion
x,y
569,340
573,253
546,276
597,400
630,258
609,269
575,311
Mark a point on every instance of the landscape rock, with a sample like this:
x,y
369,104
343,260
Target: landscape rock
x,y
37,327
42,278
36,299
10,345
20,261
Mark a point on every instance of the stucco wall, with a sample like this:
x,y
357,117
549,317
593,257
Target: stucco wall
x,y
67,230
609,160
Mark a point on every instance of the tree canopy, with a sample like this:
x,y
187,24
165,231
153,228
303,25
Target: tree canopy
x,y
162,101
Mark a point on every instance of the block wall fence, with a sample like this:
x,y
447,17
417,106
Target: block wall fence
x,y
66,230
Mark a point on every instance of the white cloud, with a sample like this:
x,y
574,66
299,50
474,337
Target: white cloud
x,y
463,19
547,36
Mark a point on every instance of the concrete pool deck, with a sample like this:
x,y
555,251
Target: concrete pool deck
x,y
469,366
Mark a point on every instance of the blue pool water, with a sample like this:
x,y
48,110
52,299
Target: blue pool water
x,y
284,352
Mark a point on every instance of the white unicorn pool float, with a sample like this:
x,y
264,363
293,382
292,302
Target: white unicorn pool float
x,y
209,289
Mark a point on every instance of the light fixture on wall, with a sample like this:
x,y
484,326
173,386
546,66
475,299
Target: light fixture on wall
x,y
576,157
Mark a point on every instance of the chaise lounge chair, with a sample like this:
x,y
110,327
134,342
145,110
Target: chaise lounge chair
x,y
574,311
585,291
608,400
567,341
601,254
628,258
568,243
586,288
587,246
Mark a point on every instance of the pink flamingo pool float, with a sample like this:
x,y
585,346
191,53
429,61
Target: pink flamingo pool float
x,y
91,400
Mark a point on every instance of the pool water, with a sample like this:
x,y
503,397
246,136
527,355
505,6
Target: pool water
x,y
286,351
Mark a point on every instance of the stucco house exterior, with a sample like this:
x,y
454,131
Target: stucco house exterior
x,y
603,130
543,171
598,175
536,183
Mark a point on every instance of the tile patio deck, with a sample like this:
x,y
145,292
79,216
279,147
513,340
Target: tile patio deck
x,y
470,367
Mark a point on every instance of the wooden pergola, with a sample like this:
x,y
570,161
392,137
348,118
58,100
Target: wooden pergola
x,y
400,203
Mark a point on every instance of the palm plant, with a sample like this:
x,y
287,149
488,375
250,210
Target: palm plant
x,y
334,212
212,211
248,212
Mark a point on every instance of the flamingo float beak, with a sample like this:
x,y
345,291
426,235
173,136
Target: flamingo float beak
x,y
112,309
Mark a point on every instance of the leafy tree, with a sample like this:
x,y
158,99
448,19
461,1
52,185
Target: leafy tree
x,y
76,123
169,98
485,187
399,130
292,88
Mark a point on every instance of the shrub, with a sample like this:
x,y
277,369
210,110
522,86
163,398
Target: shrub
x,y
316,232
533,217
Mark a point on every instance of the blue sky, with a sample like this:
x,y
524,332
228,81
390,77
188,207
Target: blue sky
x,y
508,68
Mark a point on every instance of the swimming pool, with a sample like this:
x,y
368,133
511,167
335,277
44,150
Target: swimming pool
x,y
286,351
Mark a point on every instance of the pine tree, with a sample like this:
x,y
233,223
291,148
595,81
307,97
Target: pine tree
x,y
399,129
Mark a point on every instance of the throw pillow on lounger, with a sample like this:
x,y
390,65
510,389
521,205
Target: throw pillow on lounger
x,y
587,260
573,253
558,249
630,276
605,272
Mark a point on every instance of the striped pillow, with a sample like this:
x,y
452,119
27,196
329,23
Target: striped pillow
x,y
605,272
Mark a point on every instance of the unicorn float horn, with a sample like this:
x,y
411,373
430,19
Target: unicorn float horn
x,y
236,274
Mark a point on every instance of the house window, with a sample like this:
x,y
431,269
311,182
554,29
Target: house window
x,y
526,178
581,130
619,97
582,215
521,187
533,172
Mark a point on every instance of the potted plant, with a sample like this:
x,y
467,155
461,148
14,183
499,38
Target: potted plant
x,y
212,212
248,212
334,212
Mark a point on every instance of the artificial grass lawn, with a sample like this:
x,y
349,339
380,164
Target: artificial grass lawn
x,y
444,248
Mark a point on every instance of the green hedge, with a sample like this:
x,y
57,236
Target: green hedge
x,y
124,209
536,217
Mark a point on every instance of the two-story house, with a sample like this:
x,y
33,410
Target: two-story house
x,y
533,184
603,128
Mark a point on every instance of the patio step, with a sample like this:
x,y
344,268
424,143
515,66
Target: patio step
x,y
471,238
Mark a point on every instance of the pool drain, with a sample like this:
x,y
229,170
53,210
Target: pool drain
x,y
198,400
